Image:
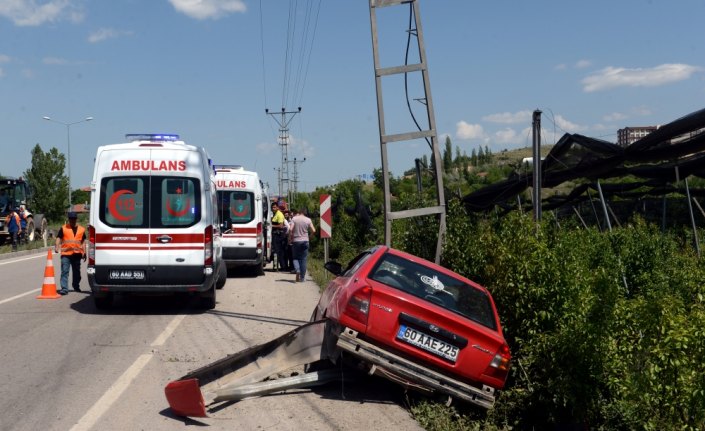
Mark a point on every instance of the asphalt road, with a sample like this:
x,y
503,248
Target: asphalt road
x,y
67,366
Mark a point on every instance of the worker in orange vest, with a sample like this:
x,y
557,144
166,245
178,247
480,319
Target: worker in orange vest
x,y
70,241
12,221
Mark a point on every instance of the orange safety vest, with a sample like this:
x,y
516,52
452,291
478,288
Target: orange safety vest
x,y
70,243
17,220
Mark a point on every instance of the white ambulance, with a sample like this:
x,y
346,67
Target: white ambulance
x,y
154,226
243,207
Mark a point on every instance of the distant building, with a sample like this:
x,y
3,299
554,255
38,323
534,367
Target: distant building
x,y
629,135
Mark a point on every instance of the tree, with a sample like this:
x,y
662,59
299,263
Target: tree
x,y
48,182
448,156
473,157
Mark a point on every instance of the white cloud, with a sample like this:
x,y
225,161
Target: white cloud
x,y
506,136
29,13
205,9
55,61
582,64
561,66
469,131
4,59
566,125
2,72
509,117
298,148
611,77
107,33
614,116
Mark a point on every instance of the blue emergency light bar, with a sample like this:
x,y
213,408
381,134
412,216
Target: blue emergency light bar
x,y
151,137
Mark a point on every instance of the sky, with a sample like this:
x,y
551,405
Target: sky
x,y
208,69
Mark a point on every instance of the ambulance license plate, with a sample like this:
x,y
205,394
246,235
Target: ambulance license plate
x,y
126,274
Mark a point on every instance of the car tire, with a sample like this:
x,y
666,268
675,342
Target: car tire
x,y
103,302
207,299
260,267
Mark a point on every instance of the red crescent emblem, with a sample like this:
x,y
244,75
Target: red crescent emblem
x,y
112,206
177,213
240,213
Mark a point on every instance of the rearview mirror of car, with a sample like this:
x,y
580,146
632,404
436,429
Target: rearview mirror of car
x,y
334,267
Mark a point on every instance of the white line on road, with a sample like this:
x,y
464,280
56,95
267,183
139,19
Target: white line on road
x,y
12,298
168,330
108,398
122,383
7,262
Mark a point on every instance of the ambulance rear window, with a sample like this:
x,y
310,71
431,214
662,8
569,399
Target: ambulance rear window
x,y
150,202
122,201
236,206
180,201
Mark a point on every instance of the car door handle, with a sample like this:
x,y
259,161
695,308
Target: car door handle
x,y
164,239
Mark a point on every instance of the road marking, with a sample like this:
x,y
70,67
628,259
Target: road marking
x,y
7,262
123,382
19,296
168,330
108,398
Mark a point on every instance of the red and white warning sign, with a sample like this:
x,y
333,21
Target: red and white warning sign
x,y
326,219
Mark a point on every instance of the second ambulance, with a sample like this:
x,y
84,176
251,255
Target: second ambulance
x,y
243,205
154,227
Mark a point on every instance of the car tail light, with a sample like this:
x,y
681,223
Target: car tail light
x,y
358,307
259,236
208,246
499,367
91,245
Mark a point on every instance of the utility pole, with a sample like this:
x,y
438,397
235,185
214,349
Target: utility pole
x,y
283,121
295,179
536,127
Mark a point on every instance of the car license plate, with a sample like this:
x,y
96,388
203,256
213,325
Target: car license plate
x,y
428,343
126,274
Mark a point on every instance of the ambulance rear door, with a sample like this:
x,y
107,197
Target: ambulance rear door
x,y
178,226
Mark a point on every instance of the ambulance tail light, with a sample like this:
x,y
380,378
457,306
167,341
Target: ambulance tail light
x,y
208,246
91,245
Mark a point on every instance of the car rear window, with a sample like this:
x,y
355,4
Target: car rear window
x,y
144,201
238,207
435,287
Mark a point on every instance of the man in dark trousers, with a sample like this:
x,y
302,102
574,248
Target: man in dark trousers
x,y
70,241
13,223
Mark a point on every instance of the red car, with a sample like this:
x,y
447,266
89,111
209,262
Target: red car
x,y
418,324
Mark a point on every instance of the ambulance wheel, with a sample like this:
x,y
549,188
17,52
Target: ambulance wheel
x,y
259,269
103,302
208,298
222,276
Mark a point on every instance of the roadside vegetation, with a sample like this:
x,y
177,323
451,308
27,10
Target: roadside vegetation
x,y
606,329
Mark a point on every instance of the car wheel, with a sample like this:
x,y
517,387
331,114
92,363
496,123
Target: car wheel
x,y
260,267
30,229
208,298
103,302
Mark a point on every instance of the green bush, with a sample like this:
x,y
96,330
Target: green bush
x,y
605,328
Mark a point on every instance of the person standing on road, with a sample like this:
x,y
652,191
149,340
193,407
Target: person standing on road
x,y
278,234
70,240
12,221
299,228
23,225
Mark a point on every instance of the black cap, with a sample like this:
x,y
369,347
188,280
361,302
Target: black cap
x,y
72,214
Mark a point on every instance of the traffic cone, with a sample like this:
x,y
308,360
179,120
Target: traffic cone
x,y
49,286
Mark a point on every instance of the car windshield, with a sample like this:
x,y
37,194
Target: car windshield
x,y
436,287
